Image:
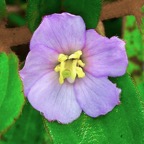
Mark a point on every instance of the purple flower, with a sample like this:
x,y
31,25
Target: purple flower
x,y
66,71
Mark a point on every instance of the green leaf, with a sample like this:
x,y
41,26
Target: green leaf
x,y
134,38
113,27
2,9
28,129
16,19
123,125
11,92
89,10
132,67
141,88
39,8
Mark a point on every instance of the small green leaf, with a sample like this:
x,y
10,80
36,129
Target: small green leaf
x,y
89,10
37,9
2,9
16,19
134,38
11,92
123,125
133,67
28,129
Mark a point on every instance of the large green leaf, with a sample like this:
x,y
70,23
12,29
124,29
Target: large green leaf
x,y
123,125
38,8
28,129
2,9
88,9
141,87
11,92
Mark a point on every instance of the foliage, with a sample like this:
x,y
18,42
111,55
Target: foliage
x,y
2,9
90,11
11,92
134,38
37,9
28,129
35,12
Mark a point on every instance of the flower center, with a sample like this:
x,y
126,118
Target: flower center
x,y
70,67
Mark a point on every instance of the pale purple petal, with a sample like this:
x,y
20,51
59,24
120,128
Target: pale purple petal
x,y
38,63
55,101
96,96
104,56
62,32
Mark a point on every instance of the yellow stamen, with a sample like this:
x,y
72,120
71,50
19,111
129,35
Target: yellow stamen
x,y
70,67
81,63
80,72
76,55
62,57
57,68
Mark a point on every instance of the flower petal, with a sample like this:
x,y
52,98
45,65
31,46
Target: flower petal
x,y
103,56
96,96
62,32
55,101
38,62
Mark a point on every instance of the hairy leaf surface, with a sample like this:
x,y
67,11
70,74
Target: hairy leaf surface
x,y
11,91
28,129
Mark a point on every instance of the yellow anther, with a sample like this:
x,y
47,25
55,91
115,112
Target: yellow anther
x,y
62,57
57,68
76,55
80,72
80,63
62,65
70,67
